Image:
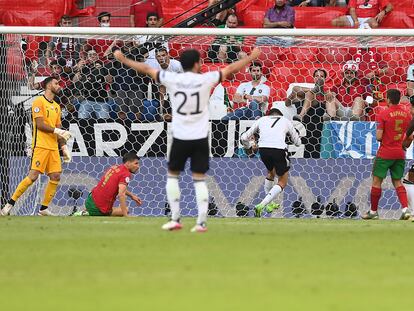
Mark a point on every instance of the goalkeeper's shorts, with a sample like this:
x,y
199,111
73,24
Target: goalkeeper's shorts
x,y
46,161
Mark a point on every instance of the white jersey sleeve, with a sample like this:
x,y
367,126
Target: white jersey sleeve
x,y
294,134
410,73
246,136
167,78
212,78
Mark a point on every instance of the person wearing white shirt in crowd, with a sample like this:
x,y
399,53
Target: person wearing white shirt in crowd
x,y
254,93
189,93
164,62
410,83
273,130
152,42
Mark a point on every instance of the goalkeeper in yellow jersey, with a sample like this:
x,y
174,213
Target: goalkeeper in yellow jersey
x,y
47,138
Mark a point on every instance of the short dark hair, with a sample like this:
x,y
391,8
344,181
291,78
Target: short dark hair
x,y
275,111
189,58
66,17
150,14
255,64
103,14
161,49
231,14
130,156
46,81
325,74
394,96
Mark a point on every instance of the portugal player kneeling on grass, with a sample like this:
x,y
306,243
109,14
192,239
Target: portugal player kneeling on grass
x,y
112,184
47,137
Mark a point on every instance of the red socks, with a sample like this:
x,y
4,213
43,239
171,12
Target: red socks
x,y
402,196
375,197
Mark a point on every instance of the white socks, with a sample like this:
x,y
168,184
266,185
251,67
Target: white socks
x,y
173,196
271,195
410,195
268,184
201,192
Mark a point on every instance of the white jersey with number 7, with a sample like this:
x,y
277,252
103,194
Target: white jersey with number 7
x,y
189,95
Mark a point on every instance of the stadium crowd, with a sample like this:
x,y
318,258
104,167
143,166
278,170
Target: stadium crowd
x,y
336,84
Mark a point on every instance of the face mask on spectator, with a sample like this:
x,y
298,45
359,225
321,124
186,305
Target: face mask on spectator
x,y
105,24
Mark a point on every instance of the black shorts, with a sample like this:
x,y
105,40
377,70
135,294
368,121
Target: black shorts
x,y
277,159
197,150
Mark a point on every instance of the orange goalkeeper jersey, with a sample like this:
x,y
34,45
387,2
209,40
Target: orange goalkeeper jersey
x,y
50,112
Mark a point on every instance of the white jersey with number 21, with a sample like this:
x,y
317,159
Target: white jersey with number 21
x,y
189,95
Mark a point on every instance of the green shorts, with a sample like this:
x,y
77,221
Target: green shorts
x,y
381,167
92,209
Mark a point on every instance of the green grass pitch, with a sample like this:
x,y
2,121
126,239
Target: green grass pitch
x,y
240,264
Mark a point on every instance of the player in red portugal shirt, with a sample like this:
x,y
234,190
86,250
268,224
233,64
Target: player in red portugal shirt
x,y
392,125
113,184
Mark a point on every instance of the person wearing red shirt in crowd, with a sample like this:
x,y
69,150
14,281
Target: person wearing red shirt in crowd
x,y
313,97
391,128
372,68
347,100
102,46
364,14
139,10
113,184
69,48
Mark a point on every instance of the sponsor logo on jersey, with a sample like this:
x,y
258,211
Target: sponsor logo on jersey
x,y
37,109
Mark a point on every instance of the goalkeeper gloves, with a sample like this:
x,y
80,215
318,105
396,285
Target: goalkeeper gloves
x,y
62,133
67,156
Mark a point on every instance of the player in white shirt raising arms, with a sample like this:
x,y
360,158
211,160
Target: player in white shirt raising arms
x,y
189,93
272,131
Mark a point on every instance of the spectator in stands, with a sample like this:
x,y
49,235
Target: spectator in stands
x,y
347,100
92,79
221,18
282,15
64,47
130,87
312,2
151,43
314,97
226,49
102,46
104,19
251,97
364,14
61,72
139,11
165,62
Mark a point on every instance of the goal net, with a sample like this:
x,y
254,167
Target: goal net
x,y
332,87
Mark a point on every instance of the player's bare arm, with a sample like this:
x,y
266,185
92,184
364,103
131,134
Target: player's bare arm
x,y
122,190
134,197
42,126
379,135
408,135
139,67
262,98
